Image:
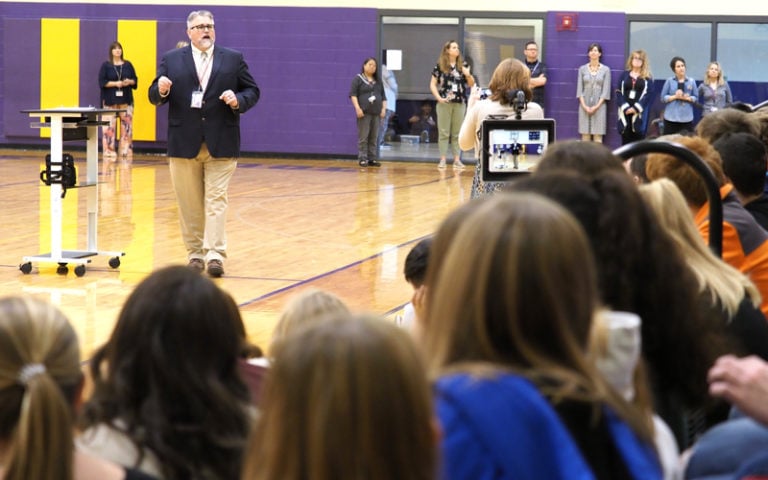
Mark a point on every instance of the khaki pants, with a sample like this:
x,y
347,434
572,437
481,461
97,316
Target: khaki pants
x,y
201,185
449,118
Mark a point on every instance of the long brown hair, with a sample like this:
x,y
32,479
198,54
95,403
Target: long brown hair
x,y
39,378
444,60
346,398
516,291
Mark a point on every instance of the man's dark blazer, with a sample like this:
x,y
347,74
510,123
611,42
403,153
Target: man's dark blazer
x,y
215,123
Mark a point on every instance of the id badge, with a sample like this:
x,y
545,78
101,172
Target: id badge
x,y
197,99
119,93
372,99
455,88
632,94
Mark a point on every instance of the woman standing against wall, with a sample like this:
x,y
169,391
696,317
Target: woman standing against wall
x,y
593,89
679,95
367,95
714,92
117,79
633,95
449,83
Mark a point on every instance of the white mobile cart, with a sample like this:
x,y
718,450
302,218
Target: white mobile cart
x,y
72,124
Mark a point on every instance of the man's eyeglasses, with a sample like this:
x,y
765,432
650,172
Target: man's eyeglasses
x,y
205,26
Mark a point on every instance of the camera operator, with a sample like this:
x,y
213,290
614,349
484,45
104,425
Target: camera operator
x,y
510,95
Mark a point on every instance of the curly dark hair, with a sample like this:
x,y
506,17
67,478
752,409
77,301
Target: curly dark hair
x,y
168,377
640,270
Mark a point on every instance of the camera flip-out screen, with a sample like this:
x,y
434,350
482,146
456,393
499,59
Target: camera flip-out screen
x,y
513,147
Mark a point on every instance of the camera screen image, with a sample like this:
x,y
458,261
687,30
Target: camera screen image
x,y
513,147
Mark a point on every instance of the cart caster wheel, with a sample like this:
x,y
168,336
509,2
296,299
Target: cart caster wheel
x,y
25,267
80,270
62,269
114,262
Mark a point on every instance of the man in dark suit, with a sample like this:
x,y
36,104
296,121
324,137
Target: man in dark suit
x,y
207,88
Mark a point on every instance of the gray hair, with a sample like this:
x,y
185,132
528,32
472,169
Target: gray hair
x,y
198,13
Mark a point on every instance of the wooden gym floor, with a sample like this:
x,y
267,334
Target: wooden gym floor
x,y
292,224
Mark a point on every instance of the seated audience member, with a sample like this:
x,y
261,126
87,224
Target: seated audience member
x,y
346,399
745,243
168,396
744,163
510,307
761,116
641,271
616,346
744,383
423,123
725,449
309,306
737,448
586,158
636,168
729,292
415,269
727,120
252,364
40,385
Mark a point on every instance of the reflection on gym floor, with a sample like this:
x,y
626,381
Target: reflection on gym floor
x,y
418,152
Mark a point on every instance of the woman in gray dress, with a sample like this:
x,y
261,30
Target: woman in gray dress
x,y
593,91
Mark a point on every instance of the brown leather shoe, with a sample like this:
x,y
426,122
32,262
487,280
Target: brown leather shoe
x,y
215,268
196,264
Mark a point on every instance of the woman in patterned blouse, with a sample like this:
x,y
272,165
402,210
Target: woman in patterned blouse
x,y
449,83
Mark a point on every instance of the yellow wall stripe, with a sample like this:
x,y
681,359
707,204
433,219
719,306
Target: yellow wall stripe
x,y
59,64
59,87
139,40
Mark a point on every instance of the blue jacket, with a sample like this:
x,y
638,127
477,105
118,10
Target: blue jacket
x,y
215,123
501,427
635,95
679,111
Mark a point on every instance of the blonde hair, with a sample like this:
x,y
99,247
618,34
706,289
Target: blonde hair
x,y
720,77
725,285
39,370
645,70
346,399
306,307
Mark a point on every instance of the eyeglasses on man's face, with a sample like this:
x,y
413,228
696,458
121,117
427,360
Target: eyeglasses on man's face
x,y
205,26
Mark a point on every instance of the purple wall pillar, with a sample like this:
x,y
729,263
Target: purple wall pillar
x,y
567,51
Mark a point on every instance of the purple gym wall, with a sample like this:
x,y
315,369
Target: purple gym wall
x,y
302,58
566,52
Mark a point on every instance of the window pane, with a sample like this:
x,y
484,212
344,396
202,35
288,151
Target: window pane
x,y
664,40
742,50
489,40
421,39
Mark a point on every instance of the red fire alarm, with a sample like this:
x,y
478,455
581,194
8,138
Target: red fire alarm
x,y
567,22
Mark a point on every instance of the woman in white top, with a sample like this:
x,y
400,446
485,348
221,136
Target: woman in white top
x,y
510,75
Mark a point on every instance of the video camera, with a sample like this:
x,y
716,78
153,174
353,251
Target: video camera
x,y
512,146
